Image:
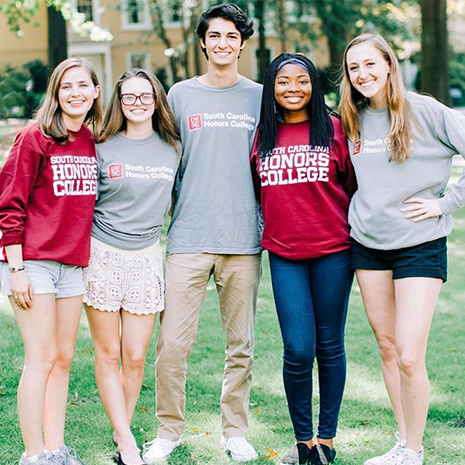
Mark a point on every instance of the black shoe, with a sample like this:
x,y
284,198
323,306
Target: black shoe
x,y
304,452
322,455
118,460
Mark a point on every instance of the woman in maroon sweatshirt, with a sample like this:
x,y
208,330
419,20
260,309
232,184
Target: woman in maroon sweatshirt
x,y
47,196
305,180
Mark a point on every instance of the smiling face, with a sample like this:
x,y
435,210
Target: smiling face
x,y
138,113
222,43
293,92
368,72
76,95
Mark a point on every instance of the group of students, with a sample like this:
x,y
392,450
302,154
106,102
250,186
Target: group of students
x,y
324,194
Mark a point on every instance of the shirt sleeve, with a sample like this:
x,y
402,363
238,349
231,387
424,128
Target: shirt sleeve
x,y
451,132
346,172
17,180
254,169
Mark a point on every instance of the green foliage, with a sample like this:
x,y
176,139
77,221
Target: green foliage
x,y
21,90
457,75
20,12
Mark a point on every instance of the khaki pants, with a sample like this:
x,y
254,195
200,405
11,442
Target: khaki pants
x,y
186,276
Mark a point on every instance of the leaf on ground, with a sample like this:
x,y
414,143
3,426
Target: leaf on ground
x,y
257,410
195,429
271,453
143,409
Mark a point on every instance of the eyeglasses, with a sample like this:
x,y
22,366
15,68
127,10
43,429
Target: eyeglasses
x,y
131,99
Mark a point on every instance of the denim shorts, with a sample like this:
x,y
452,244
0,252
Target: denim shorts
x,y
48,277
427,260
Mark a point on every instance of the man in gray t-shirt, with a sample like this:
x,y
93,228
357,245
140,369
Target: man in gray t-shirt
x,y
215,230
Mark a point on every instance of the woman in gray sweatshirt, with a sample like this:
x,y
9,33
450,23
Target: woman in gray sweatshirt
x,y
137,163
401,146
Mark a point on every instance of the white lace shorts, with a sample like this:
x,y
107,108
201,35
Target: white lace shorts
x,y
127,279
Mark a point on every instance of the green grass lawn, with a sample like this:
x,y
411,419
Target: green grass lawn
x,y
366,424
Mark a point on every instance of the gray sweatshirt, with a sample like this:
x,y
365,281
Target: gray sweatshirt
x,y
374,213
135,180
215,209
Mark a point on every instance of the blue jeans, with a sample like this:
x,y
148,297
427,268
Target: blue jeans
x,y
311,300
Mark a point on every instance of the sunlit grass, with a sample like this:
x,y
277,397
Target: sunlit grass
x,y
366,424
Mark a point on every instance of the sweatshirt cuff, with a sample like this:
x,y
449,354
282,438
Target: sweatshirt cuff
x,y
447,207
12,239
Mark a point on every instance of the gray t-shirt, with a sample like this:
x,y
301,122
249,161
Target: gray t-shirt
x,y
215,209
374,214
135,180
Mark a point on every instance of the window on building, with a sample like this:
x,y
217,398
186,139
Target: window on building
x,y
139,60
86,8
135,14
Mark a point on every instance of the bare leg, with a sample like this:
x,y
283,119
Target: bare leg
x,y
416,299
136,333
38,331
68,315
105,329
377,288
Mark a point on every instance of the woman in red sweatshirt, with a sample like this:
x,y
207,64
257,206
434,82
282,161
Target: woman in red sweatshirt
x,y
47,197
305,181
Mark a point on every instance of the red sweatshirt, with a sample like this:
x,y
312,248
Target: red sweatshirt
x,y
305,193
47,196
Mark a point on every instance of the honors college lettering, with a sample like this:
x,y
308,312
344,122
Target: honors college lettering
x,y
295,164
115,171
73,175
374,146
221,120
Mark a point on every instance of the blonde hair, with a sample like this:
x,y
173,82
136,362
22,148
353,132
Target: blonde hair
x,y
400,115
163,119
49,114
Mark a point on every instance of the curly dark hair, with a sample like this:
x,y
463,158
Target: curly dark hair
x,y
322,131
229,12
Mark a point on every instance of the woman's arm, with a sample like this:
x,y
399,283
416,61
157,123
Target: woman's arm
x,y
20,285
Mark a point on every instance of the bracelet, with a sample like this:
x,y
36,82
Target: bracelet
x,y
14,269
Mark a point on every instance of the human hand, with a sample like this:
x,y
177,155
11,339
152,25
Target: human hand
x,y
421,209
21,290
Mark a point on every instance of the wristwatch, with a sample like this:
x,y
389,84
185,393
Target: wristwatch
x,y
16,269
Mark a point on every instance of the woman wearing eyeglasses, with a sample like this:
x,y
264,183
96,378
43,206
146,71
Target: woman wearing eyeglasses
x,y
137,164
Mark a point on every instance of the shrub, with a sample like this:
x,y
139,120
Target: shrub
x,y
21,90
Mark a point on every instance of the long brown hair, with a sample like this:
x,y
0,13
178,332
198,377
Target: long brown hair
x,y
163,119
49,114
400,115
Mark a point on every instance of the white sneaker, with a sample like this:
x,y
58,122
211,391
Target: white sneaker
x,y
411,457
391,457
158,449
239,448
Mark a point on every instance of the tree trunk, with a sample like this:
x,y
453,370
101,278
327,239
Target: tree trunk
x,y
434,50
262,52
159,27
281,24
57,38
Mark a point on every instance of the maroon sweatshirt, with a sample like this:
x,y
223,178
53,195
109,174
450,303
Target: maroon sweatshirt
x,y
47,196
305,193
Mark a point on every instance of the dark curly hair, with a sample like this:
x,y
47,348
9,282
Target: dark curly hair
x,y
322,131
229,12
